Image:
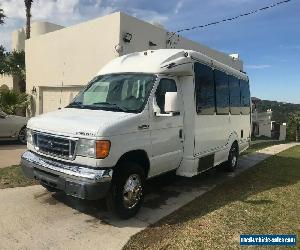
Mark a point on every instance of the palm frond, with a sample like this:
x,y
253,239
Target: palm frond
x,y
2,16
11,101
12,63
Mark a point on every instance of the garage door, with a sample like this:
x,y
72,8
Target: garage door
x,y
53,98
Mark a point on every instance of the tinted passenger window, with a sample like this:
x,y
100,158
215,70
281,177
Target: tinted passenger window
x,y
222,92
165,85
235,95
245,97
205,89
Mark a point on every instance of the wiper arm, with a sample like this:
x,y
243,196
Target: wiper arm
x,y
113,105
75,104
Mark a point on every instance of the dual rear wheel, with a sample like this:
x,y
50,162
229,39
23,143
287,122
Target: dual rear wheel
x,y
232,161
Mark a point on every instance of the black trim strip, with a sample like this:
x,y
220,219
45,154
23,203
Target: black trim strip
x,y
206,162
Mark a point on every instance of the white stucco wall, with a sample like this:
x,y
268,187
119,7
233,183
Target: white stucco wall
x,y
282,136
18,43
71,56
37,29
144,32
265,129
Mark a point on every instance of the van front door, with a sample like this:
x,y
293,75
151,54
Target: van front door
x,y
166,131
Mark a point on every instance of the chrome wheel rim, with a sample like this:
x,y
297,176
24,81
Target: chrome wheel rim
x,y
132,192
22,136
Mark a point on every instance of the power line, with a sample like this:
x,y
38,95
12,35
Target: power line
x,y
232,18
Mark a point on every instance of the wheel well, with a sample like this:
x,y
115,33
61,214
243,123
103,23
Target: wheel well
x,y
21,129
138,156
237,145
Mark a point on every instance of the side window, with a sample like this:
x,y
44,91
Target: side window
x,y
245,97
165,85
235,95
222,92
205,90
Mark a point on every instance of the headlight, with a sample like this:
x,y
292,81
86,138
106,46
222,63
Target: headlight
x,y
86,148
29,136
92,148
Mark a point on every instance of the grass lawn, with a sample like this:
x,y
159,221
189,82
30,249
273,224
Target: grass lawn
x,y
262,200
13,177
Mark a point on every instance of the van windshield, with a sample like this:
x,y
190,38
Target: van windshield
x,y
116,92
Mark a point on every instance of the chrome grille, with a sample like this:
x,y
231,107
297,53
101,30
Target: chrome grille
x,y
61,147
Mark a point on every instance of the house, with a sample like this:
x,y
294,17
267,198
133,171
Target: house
x,y
18,43
60,63
263,126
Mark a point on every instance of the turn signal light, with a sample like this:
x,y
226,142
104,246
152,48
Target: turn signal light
x,y
102,149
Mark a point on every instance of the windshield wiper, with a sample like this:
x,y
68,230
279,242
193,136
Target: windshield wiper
x,y
110,105
75,105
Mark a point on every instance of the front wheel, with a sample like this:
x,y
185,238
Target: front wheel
x,y
22,136
231,164
127,192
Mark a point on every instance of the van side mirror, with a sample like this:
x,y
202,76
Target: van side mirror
x,y
171,102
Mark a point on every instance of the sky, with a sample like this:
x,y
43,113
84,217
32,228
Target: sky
x,y
268,42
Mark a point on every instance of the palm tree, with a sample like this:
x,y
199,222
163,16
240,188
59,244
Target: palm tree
x,y
2,16
294,121
13,63
2,59
28,4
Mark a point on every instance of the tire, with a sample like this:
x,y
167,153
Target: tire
x,y
22,136
233,155
127,192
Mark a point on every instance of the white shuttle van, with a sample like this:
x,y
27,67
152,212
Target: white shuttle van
x,y
144,114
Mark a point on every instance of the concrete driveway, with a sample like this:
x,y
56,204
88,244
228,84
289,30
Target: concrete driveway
x,y
10,153
32,218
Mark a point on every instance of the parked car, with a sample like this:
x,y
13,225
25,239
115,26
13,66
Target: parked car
x,y
13,127
143,115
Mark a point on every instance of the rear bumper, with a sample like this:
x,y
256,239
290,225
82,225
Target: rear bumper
x,y
79,181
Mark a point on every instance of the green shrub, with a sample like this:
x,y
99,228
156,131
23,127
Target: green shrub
x,y
12,101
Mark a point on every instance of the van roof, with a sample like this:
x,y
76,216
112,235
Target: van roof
x,y
164,61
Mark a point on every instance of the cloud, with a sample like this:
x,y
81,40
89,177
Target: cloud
x,y
178,6
258,66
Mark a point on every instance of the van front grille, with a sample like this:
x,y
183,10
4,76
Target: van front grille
x,y
61,147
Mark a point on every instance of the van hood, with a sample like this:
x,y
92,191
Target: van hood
x,y
85,123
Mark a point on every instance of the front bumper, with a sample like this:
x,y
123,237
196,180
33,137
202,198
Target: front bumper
x,y
79,181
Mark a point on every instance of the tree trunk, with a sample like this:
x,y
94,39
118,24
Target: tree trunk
x,y
22,86
28,17
297,133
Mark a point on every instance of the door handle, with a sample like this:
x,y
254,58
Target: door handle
x,y
144,126
180,134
